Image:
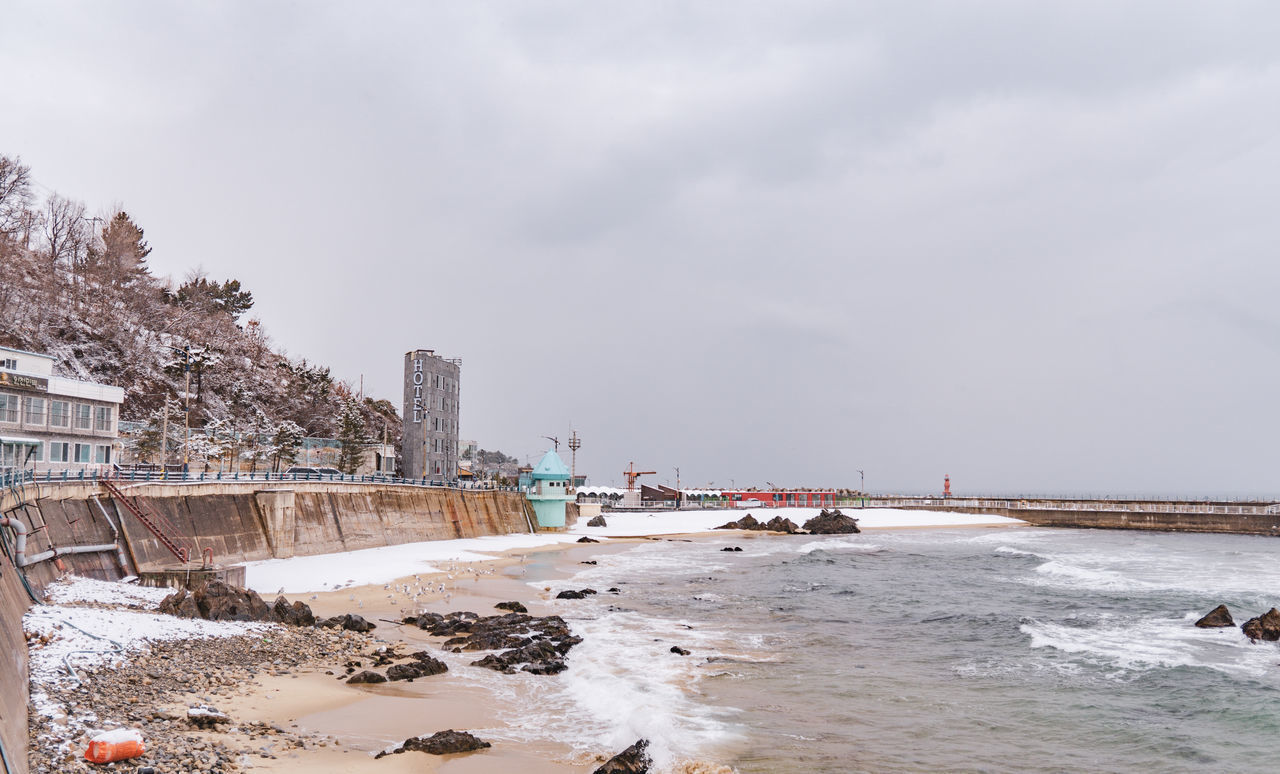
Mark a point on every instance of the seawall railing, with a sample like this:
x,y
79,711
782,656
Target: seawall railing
x,y
11,479
1256,508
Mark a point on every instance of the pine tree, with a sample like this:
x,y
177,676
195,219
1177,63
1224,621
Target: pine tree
x,y
285,444
351,433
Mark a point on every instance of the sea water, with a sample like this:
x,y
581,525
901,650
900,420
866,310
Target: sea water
x,y
995,650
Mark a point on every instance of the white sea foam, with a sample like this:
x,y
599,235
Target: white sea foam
x,y
1157,643
1018,552
856,545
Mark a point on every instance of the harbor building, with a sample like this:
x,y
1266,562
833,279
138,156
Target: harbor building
x,y
429,444
48,422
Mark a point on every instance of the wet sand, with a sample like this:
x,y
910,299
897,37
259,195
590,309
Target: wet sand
x,y
355,722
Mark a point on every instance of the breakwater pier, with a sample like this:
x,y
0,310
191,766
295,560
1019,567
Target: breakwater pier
x,y
1256,517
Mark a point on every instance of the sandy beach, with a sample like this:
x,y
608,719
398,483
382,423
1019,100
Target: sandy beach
x,y
298,713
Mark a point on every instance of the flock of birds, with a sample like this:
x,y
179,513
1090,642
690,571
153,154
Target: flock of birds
x,y
421,591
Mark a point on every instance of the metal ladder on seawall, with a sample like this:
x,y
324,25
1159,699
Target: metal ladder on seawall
x,y
154,521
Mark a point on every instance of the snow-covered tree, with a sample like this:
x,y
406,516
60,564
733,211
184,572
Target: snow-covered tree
x,y
351,434
285,444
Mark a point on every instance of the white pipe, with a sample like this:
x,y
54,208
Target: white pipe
x,y
20,530
55,552
115,535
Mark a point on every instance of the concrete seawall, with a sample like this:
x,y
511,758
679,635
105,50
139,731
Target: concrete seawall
x,y
238,521
1259,518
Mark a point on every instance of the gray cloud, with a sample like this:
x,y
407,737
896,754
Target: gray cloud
x,y
1025,244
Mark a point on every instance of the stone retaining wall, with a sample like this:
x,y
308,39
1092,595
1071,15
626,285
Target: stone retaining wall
x,y
239,521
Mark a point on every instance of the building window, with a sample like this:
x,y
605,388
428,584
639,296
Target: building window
x,y
102,418
83,452
58,451
84,416
102,455
38,454
9,363
59,413
8,408
35,411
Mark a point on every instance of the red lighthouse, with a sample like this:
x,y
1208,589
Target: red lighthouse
x,y
946,485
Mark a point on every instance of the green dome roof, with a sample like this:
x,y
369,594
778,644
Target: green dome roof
x,y
551,468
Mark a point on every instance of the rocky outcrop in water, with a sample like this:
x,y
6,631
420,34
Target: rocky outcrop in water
x,y
526,643
1216,618
1264,627
571,594
598,521
779,524
441,743
514,607
832,522
633,760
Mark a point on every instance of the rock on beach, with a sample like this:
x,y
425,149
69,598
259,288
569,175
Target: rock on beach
x,y
832,522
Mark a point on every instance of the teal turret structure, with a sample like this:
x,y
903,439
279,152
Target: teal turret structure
x,y
549,490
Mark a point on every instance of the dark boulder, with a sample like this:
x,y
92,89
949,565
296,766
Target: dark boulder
x,y
366,677
219,601
633,760
180,603
571,594
428,666
746,522
585,539
1217,618
350,622
424,667
832,523
296,614
441,743
779,524
1264,627
679,651
598,522
514,607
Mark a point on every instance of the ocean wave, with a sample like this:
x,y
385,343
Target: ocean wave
x,y
1140,645
1010,550
841,544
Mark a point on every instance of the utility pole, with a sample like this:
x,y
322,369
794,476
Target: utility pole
x,y
862,482
164,435
679,493
574,444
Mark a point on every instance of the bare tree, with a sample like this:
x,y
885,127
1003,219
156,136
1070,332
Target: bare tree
x,y
65,230
15,196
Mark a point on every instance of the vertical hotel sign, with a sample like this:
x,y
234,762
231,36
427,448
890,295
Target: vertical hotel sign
x,y
418,410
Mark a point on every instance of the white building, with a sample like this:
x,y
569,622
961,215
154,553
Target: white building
x,y
51,423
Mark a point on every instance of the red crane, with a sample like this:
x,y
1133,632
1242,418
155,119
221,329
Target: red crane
x,y
632,474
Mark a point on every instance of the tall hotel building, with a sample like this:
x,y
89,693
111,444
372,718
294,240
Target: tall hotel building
x,y
429,444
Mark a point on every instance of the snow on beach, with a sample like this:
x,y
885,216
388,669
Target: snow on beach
x,y
68,634
328,572
679,522
90,635
120,594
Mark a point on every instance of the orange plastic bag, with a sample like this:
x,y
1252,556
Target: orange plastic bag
x,y
119,745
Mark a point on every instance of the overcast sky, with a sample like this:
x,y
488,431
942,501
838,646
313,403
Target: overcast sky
x,y
1029,244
